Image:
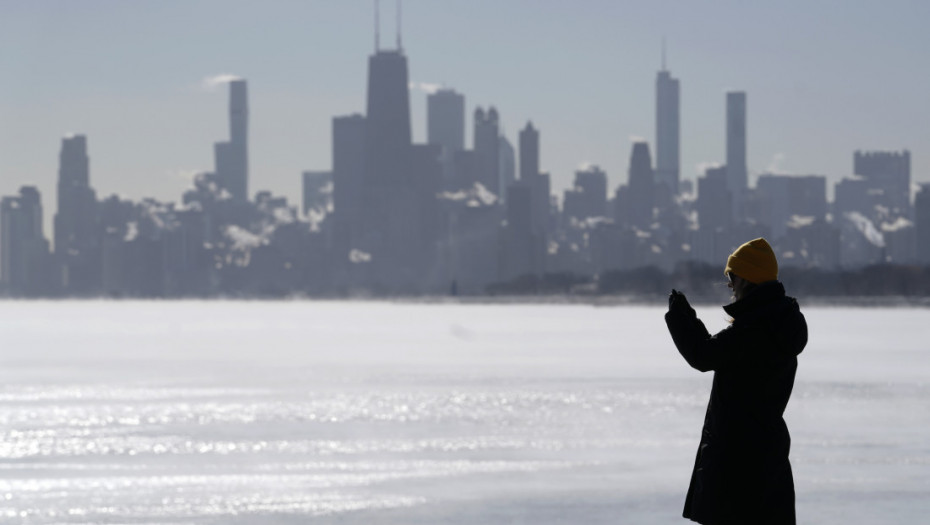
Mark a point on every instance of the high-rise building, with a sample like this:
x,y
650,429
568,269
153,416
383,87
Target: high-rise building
x,y
445,125
348,182
714,201
77,245
400,182
922,224
853,194
388,135
667,130
588,198
888,175
641,186
783,198
239,138
715,216
74,192
23,247
317,193
531,176
232,158
487,149
737,170
521,248
507,166
529,152
387,146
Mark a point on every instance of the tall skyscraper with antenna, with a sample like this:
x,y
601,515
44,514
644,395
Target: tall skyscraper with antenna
x,y
399,180
668,132
388,135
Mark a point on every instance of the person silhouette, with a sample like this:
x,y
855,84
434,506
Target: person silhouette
x,y
742,473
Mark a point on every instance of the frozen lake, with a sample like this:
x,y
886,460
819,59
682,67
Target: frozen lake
x,y
381,413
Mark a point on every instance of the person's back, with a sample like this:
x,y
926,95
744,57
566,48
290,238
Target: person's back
x,y
742,473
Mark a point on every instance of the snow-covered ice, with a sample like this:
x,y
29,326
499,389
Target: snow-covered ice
x,y
378,412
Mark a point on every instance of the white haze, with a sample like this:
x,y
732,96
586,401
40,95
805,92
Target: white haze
x,y
213,83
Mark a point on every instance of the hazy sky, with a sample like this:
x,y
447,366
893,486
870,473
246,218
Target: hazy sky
x,y
823,79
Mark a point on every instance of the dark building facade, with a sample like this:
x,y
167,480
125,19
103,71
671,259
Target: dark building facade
x,y
782,198
317,192
668,131
487,149
588,198
642,185
539,183
445,126
348,150
232,158
922,223
888,176
77,239
24,252
737,170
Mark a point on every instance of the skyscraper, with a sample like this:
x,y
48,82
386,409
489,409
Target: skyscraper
x,y
784,197
23,247
737,170
445,125
922,223
529,152
388,136
487,149
588,198
888,174
521,248
348,182
667,129
387,145
76,243
642,186
715,216
73,191
232,158
317,193
507,166
239,138
400,180
530,175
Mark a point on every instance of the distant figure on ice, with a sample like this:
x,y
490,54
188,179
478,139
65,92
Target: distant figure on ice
x,y
742,474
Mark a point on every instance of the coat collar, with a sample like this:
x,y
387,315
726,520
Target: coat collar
x,y
761,295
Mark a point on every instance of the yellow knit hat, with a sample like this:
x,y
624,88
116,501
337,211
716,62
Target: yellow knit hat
x,y
754,261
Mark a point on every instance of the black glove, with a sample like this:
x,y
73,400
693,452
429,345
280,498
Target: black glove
x,y
677,302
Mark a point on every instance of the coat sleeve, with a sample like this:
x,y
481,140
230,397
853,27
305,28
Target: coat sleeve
x,y
701,350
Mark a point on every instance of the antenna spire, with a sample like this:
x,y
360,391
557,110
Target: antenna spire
x,y
399,7
663,54
377,26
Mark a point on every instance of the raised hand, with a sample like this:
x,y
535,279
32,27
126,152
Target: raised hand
x,y
678,302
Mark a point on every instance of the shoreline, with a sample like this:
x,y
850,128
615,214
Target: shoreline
x,y
590,300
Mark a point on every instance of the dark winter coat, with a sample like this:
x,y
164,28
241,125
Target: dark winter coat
x,y
741,473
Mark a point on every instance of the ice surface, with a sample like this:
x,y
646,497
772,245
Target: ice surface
x,y
368,412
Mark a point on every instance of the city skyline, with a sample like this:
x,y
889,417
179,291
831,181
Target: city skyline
x,y
395,216
148,141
